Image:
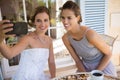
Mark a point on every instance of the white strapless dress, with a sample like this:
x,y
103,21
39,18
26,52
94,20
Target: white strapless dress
x,y
32,64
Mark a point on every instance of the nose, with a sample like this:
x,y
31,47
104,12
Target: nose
x,y
42,23
65,20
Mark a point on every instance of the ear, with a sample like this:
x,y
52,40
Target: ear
x,y
78,18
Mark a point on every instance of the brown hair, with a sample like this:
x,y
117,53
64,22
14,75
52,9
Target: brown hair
x,y
74,7
40,9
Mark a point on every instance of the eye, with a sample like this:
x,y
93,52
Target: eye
x,y
38,20
69,17
46,20
62,17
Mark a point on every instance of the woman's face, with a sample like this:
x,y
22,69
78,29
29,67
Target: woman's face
x,y
42,22
69,19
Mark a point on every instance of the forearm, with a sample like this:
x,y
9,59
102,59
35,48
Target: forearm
x,y
52,69
5,50
2,36
104,62
80,66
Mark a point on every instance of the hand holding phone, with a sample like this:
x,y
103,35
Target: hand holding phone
x,y
19,28
4,28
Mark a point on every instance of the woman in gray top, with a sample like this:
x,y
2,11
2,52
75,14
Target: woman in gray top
x,y
86,47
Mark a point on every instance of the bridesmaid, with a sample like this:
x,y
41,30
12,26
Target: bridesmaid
x,y
86,47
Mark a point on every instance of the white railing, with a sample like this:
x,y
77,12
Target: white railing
x,y
57,27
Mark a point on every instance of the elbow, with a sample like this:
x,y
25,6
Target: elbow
x,y
109,55
8,57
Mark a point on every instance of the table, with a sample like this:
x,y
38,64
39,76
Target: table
x,y
82,76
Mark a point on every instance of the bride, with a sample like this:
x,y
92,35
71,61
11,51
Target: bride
x,y
33,60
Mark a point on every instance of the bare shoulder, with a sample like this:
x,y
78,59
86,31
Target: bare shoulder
x,y
31,34
92,35
24,37
49,41
49,38
64,37
27,37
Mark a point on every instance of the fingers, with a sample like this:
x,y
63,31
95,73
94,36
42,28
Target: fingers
x,y
11,35
7,30
1,22
4,26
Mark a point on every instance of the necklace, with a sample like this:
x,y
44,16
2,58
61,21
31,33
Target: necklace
x,y
42,40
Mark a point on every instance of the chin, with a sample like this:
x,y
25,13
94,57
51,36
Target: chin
x,y
68,29
44,29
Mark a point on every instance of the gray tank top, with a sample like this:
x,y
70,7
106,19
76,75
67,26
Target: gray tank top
x,y
83,49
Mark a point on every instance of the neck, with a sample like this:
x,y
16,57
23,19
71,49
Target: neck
x,y
75,30
39,33
41,37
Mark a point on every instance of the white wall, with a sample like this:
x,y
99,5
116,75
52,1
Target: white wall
x,y
114,27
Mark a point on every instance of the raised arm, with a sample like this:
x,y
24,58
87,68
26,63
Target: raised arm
x,y
7,51
10,52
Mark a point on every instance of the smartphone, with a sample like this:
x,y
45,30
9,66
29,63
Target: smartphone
x,y
19,28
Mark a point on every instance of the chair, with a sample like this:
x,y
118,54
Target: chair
x,y
109,40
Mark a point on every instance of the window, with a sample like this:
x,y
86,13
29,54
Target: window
x,y
94,14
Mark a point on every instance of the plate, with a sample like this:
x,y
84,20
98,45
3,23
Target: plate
x,y
92,79
81,76
88,78
73,76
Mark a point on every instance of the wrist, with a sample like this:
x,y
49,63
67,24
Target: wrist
x,y
52,76
2,37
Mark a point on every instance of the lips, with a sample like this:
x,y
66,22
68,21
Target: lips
x,y
43,28
66,25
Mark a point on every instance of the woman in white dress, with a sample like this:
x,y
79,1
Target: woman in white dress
x,y
33,60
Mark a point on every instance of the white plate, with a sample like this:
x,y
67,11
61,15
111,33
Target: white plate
x,y
92,79
88,78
